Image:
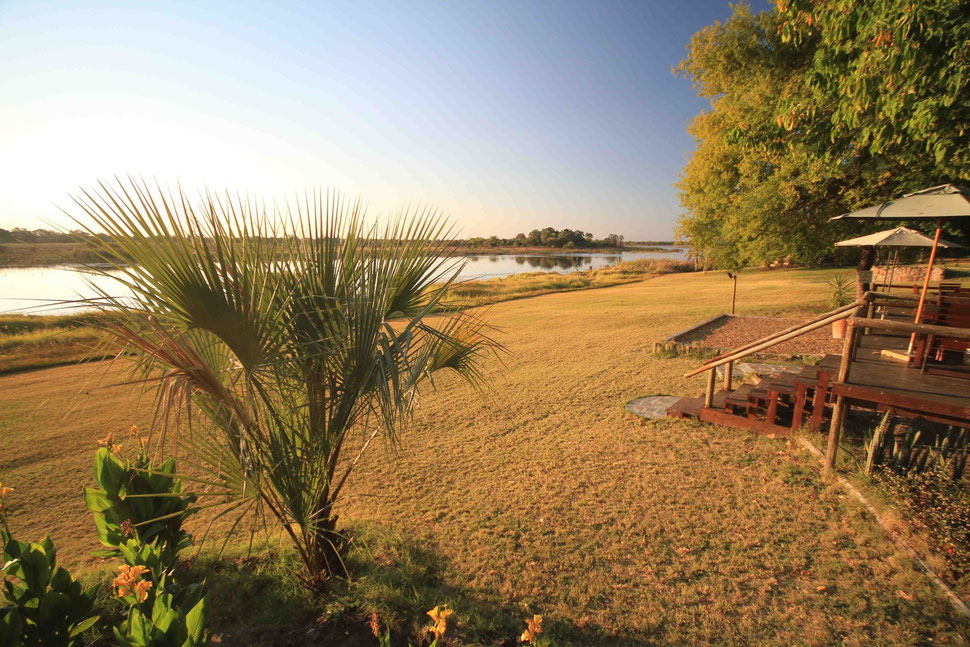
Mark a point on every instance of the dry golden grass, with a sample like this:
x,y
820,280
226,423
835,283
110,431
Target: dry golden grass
x,y
548,498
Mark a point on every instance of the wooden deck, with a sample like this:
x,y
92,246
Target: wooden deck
x,y
874,381
883,382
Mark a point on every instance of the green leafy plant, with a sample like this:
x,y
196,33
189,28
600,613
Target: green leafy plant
x,y
161,612
137,499
907,449
295,336
46,606
841,291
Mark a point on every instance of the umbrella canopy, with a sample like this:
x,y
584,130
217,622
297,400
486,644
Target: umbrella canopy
x,y
935,203
898,237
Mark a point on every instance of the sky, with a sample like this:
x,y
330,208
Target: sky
x,y
506,116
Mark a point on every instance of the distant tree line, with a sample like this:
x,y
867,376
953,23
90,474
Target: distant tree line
x,y
20,235
548,237
820,107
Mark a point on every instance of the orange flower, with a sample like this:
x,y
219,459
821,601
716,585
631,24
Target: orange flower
x,y
375,626
129,582
116,449
4,491
107,441
440,619
127,528
141,590
133,431
533,629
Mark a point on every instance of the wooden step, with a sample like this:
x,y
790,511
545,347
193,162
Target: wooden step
x,y
686,408
740,395
691,407
746,423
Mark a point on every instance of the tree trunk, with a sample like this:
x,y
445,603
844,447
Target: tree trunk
x,y
326,549
865,265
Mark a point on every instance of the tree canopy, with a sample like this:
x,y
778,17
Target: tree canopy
x,y
819,107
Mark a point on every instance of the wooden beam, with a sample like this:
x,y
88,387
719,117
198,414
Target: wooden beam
x,y
900,326
728,375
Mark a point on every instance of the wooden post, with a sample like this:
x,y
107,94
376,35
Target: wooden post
x,y
728,374
926,284
709,394
838,411
734,293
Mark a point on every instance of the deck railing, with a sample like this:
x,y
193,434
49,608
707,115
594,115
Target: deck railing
x,y
865,305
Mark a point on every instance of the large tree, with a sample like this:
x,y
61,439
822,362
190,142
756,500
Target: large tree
x,y
769,167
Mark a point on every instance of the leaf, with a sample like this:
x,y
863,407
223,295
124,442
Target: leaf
x,y
96,500
83,626
11,625
195,622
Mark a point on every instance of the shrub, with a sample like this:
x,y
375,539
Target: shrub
x,y
138,511
903,448
48,607
137,500
161,613
842,291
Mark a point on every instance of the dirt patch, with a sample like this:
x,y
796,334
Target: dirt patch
x,y
731,332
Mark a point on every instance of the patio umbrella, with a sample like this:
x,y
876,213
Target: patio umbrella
x,y
895,238
937,203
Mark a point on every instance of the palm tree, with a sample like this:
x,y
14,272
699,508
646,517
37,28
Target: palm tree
x,y
292,335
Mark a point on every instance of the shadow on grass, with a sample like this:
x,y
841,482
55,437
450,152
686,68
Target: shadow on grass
x,y
259,600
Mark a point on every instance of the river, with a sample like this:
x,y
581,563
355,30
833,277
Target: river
x,y
50,290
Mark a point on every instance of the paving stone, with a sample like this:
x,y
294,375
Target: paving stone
x,y
651,406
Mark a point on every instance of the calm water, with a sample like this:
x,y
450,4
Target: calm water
x,y
43,290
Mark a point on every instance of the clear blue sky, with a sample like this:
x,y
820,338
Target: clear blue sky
x,y
506,115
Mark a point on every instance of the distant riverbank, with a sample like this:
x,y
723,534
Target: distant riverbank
x,y
51,254
555,251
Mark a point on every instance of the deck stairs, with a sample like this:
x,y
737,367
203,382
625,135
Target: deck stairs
x,y
775,406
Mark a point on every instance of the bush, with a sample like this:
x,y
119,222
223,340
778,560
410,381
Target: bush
x,y
47,606
138,511
137,500
161,613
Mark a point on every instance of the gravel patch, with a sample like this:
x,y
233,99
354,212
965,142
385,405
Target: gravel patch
x,y
732,332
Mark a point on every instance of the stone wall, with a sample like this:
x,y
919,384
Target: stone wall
x,y
907,274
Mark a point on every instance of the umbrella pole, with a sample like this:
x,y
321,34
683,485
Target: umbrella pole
x,y
892,270
926,283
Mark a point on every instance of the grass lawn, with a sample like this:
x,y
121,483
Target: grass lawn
x,y
543,497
